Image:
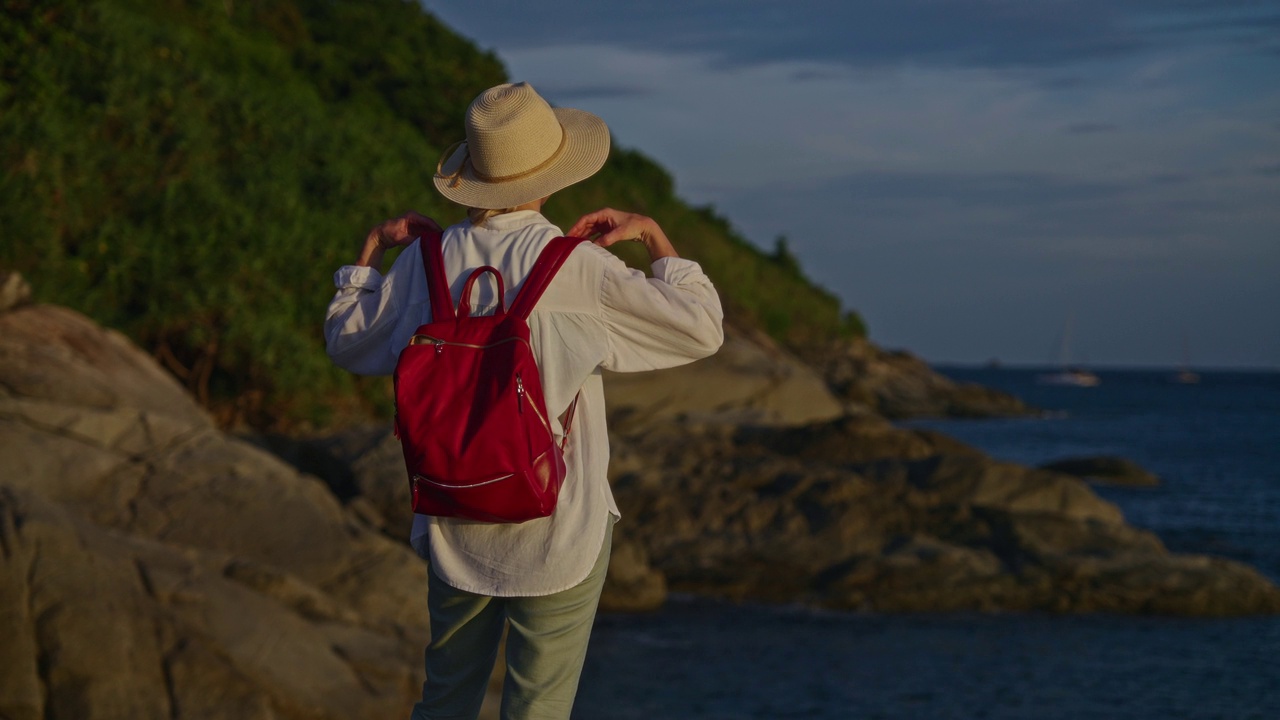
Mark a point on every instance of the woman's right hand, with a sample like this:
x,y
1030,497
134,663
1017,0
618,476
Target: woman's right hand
x,y
613,226
391,233
402,230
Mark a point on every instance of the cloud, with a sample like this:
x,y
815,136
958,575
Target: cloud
x,y
868,34
1025,216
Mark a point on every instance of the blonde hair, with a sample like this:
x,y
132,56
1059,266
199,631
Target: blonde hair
x,y
479,216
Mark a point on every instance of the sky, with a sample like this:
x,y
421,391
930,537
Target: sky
x,y
972,176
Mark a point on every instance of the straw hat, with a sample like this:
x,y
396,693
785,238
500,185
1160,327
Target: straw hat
x,y
519,148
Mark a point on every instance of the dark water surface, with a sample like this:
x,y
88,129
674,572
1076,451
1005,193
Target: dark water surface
x,y
698,659
1215,445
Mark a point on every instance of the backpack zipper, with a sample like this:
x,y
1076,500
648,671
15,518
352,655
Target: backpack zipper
x,y
428,340
454,486
439,344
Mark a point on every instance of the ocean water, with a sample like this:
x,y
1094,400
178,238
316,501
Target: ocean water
x,y
1216,447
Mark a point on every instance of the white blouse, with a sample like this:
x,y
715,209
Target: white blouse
x,y
596,314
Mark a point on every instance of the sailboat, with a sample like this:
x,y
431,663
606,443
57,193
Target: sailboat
x,y
1185,376
1072,375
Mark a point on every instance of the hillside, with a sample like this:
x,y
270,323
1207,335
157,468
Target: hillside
x,y
191,173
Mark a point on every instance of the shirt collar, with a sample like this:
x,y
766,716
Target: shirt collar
x,y
517,219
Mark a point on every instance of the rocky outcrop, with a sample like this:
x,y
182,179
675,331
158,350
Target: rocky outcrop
x,y
773,515
155,568
750,380
855,513
1106,470
898,385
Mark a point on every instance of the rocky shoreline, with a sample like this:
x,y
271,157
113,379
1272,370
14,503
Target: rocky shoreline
x,y
155,566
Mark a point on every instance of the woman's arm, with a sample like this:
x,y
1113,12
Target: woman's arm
x,y
614,226
365,310
670,319
391,233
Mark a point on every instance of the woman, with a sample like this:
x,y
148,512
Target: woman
x,y
542,577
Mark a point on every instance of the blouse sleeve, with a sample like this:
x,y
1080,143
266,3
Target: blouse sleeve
x,y
364,314
652,323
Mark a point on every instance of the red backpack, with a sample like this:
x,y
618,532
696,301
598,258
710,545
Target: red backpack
x,y
469,408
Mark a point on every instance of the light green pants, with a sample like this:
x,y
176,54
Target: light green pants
x,y
546,646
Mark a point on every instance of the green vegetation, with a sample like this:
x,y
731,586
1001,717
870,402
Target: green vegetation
x,y
191,173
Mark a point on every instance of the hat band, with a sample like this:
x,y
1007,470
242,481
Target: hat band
x,y
456,175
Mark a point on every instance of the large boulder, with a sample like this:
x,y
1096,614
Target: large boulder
x,y
156,567
105,624
57,356
898,385
750,380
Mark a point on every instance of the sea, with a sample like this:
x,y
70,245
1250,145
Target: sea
x,y
1215,446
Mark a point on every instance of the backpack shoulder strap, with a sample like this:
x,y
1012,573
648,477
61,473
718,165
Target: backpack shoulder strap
x,y
432,246
544,269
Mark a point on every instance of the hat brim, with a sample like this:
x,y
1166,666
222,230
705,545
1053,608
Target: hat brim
x,y
586,147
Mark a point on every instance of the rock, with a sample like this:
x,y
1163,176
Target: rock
x,y
82,637
129,627
156,567
899,385
14,290
751,380
768,514
1109,470
49,353
363,466
860,438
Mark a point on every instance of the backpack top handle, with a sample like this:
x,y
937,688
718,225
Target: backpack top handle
x,y
464,305
552,257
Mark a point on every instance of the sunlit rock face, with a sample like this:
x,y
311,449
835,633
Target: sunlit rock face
x,y
155,567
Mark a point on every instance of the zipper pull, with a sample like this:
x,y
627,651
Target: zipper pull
x,y
520,394
439,346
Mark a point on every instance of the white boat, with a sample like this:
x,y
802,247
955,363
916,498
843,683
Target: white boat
x,y
1079,377
1070,375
